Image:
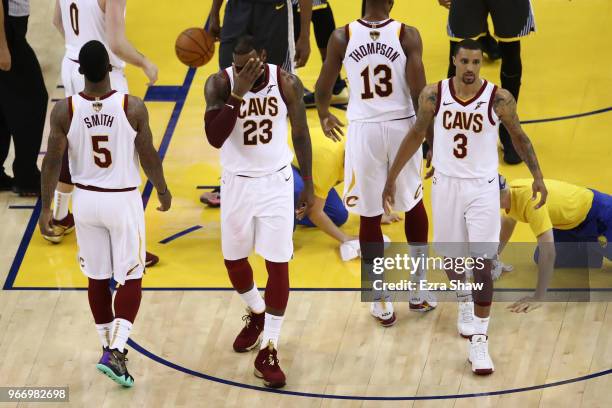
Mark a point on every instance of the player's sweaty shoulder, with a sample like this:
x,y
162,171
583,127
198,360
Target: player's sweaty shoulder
x,y
503,102
216,90
292,86
60,115
136,111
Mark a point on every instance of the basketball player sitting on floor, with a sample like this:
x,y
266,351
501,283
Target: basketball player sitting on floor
x,y
247,106
106,134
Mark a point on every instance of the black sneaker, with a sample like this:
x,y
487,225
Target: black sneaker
x,y
6,182
340,95
309,98
490,47
113,365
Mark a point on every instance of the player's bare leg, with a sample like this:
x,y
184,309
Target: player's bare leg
x,y
479,344
372,246
465,303
241,276
114,332
277,295
416,228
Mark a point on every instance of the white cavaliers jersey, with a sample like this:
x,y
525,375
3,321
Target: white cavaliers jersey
x,y
101,150
375,64
465,133
258,144
84,21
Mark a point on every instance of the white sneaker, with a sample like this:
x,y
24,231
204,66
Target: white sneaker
x,y
350,250
383,311
465,319
423,301
499,267
479,355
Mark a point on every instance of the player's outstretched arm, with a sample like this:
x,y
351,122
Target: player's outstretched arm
x,y
336,47
411,143
505,108
52,163
294,97
150,161
118,42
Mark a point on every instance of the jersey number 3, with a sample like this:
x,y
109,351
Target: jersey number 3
x,y
252,136
102,156
460,150
384,86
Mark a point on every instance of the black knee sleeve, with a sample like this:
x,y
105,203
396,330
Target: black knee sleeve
x,y
324,25
511,67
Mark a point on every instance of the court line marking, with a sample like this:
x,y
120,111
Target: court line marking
x,y
137,347
21,207
180,234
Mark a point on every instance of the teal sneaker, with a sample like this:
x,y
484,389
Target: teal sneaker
x,y
113,365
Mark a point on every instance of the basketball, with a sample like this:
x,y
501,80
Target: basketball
x,y
194,47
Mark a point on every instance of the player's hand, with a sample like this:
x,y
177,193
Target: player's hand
x,y
44,223
445,3
165,200
150,70
332,127
5,59
388,197
538,186
525,305
305,203
245,79
302,51
390,218
428,165
214,27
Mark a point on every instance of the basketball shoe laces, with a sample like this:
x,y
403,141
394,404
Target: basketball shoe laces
x,y
272,358
118,362
480,350
247,318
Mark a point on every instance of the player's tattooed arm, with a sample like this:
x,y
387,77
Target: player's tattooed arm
x,y
411,143
216,91
52,162
293,91
151,163
336,48
222,110
504,106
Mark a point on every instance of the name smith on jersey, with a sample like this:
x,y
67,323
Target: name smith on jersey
x,y
99,120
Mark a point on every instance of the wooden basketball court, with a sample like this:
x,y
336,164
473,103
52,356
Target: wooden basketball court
x,y
332,351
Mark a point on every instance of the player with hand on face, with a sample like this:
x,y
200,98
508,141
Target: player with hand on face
x,y
247,106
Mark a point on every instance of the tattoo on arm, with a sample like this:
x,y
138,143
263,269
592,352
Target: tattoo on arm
x,y
504,105
149,158
299,124
56,146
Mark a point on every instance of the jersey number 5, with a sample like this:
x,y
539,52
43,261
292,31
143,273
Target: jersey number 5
x,y
251,135
74,18
460,150
384,86
105,160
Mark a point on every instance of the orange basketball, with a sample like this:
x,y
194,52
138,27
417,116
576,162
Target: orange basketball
x,y
194,47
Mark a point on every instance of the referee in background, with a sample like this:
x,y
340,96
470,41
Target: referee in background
x,y
23,100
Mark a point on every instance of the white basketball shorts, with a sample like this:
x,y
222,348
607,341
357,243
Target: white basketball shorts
x,y
110,232
371,148
257,213
466,217
74,82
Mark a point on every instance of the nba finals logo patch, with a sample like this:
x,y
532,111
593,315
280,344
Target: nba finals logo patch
x,y
97,106
374,35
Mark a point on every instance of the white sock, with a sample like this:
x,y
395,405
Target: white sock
x,y
120,332
419,252
464,295
254,300
104,331
481,324
60,207
272,329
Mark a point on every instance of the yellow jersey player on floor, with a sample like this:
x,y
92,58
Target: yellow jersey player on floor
x,y
247,107
465,193
573,229
106,134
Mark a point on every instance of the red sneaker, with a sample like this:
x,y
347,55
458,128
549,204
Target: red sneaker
x,y
267,368
249,336
60,228
151,260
